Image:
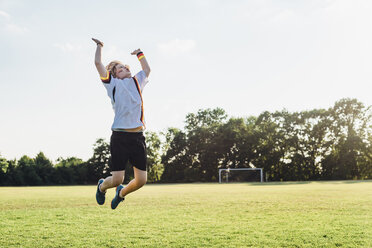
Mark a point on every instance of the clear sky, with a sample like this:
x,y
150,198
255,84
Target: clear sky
x,y
243,56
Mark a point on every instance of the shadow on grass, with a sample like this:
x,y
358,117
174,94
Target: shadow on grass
x,y
265,183
280,183
308,182
350,181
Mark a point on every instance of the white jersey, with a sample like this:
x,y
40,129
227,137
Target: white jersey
x,y
126,100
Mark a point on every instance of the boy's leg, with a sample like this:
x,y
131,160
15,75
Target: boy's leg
x,y
138,157
110,182
140,178
113,181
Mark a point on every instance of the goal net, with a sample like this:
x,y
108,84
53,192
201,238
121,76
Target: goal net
x,y
240,175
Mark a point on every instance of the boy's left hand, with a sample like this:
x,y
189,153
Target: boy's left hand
x,y
145,66
98,42
136,51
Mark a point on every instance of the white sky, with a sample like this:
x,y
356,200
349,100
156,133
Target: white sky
x,y
243,56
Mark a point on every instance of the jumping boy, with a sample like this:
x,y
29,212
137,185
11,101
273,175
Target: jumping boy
x,y
127,140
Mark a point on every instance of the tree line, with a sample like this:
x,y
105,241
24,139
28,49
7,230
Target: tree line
x,y
319,144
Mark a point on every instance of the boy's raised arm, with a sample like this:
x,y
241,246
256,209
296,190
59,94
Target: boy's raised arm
x,y
97,59
145,66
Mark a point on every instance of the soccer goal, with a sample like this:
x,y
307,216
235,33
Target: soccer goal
x,y
228,170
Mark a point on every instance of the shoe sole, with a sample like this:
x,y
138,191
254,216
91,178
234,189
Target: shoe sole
x,y
116,194
98,190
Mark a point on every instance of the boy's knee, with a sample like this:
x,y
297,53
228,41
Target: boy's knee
x,y
141,182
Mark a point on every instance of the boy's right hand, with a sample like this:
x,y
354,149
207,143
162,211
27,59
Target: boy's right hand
x,y
98,42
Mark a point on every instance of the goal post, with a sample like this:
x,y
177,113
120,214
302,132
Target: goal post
x,y
237,169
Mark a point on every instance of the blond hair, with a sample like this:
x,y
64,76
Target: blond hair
x,y
111,67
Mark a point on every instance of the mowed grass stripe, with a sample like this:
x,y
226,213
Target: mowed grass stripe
x,y
311,214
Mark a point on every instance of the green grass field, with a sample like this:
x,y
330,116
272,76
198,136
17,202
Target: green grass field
x,y
309,214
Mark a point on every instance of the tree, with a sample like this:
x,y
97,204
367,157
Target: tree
x,y
205,118
155,167
28,168
350,132
44,168
176,158
71,170
3,170
202,132
236,145
304,143
270,146
99,164
309,145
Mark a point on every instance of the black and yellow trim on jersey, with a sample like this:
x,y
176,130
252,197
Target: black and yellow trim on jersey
x,y
106,79
139,91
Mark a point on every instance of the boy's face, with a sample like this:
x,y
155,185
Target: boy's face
x,y
122,71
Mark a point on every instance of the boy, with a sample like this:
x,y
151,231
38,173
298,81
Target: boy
x,y
127,140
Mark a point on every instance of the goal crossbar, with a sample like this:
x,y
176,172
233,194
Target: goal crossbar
x,y
231,169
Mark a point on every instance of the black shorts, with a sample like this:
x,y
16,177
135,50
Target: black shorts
x,y
126,146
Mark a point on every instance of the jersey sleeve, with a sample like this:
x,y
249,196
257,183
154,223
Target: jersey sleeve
x,y
142,79
107,79
109,83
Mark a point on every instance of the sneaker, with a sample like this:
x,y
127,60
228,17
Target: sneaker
x,y
100,196
117,199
